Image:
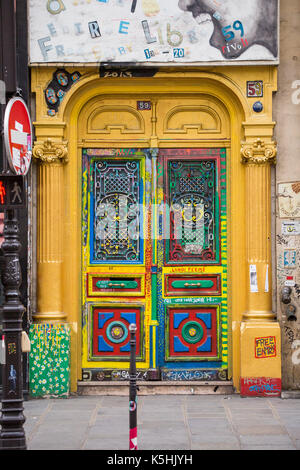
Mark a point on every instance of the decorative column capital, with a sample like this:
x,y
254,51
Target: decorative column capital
x,y
50,151
259,152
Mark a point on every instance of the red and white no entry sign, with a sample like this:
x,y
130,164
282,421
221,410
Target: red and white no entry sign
x,y
18,136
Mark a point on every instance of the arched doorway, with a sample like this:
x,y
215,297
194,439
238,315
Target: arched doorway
x,y
157,126
155,236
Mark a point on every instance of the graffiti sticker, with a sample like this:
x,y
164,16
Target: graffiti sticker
x,y
265,347
290,227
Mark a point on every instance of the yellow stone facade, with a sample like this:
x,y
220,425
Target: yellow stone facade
x,y
192,108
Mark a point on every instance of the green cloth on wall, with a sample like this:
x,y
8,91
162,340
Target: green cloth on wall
x,y
49,360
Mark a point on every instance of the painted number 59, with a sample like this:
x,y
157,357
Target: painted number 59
x,y
237,26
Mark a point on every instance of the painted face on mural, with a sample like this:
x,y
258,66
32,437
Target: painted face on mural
x,y
238,25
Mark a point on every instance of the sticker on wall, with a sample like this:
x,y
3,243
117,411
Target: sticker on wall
x,y
57,88
255,89
289,281
290,227
289,199
267,279
253,278
289,259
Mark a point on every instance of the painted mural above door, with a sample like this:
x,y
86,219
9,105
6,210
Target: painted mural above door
x,y
153,31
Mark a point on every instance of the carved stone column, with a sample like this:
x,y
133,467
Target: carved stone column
x,y
51,156
258,157
260,333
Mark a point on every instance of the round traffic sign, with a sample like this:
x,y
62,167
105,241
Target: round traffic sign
x,y
18,136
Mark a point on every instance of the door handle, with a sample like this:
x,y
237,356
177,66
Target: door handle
x,y
116,284
192,284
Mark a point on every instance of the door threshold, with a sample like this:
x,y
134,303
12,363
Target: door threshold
x,y
121,388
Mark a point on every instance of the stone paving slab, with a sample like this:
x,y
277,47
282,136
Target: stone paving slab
x,y
261,429
202,422
266,439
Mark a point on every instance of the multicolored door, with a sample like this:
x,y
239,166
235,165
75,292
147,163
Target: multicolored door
x,y
154,253
115,266
192,265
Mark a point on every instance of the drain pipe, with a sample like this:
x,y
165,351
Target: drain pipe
x,y
132,390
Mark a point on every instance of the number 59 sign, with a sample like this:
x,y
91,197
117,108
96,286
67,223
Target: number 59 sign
x,y
255,89
18,136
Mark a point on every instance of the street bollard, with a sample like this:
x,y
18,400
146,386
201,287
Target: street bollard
x,y
12,434
132,391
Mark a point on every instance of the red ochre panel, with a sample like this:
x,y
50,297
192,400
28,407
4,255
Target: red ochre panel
x,y
192,333
111,335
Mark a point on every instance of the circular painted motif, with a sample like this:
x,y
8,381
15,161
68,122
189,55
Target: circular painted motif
x,y
100,375
117,332
192,332
51,96
62,78
258,107
54,6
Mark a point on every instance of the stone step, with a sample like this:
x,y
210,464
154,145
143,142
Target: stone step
x,y
121,388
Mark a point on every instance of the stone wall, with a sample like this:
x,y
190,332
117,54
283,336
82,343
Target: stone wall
x,y
287,190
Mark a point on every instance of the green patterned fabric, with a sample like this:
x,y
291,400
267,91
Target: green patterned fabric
x,y
49,360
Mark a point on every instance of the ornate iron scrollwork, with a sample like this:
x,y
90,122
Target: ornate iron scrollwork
x,y
192,192
116,194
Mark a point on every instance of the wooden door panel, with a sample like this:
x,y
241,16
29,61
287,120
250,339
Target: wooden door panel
x,y
192,254
113,260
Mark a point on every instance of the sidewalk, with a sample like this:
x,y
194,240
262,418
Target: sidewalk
x,y
165,422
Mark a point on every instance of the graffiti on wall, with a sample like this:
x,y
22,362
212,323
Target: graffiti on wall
x,y
288,279
265,347
89,31
260,386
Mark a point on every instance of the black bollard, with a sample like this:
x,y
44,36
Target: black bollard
x,y
12,435
133,6
132,391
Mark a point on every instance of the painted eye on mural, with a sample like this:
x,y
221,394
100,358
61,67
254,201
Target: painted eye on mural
x,y
236,29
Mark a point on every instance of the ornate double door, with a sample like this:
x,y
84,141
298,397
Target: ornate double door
x,y
154,253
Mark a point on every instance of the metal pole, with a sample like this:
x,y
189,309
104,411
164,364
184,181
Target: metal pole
x,y
132,391
12,434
